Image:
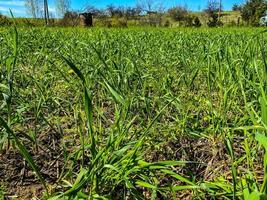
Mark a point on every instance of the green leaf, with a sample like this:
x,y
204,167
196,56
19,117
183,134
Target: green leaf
x,y
74,68
146,185
80,176
262,139
263,110
186,187
177,176
115,94
89,113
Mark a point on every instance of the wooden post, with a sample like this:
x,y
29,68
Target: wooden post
x,y
220,10
46,12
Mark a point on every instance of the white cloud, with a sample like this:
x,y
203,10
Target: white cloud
x,y
4,9
14,10
52,9
18,8
12,3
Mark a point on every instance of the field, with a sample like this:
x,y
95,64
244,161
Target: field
x,y
133,113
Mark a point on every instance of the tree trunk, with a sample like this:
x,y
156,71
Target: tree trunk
x,y
46,12
220,10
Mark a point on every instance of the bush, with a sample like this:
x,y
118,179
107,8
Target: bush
x,y
70,19
214,22
119,22
178,13
167,23
196,22
103,22
236,7
212,10
253,10
4,21
189,21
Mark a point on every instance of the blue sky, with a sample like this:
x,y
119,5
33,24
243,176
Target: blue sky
x,y
17,6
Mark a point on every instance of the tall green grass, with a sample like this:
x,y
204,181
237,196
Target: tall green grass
x,y
126,103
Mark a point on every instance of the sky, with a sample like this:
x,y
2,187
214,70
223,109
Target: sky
x,y
18,8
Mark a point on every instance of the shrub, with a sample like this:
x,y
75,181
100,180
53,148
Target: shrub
x,y
167,23
196,22
178,13
253,10
119,22
214,22
236,7
70,19
189,21
4,21
212,10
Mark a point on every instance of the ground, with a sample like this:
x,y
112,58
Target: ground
x,y
133,113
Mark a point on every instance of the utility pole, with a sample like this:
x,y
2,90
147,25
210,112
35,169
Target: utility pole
x,y
46,12
220,10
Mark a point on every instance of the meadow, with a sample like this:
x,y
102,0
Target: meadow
x,y
135,113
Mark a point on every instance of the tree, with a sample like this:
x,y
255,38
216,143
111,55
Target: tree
x,y
33,8
115,11
46,12
150,6
70,19
62,6
196,22
132,12
178,13
213,11
4,21
95,12
253,10
236,7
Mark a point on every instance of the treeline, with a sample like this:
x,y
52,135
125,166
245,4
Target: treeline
x,y
252,11
148,13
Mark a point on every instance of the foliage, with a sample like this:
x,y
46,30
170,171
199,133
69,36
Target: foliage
x,y
4,21
150,6
70,19
33,8
178,13
183,16
134,110
196,22
167,23
253,10
1,193
62,6
236,7
212,11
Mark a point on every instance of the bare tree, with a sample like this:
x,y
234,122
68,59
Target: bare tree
x,y
178,13
150,6
63,6
46,12
213,11
33,7
220,10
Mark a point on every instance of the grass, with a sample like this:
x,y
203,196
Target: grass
x,y
134,113
1,193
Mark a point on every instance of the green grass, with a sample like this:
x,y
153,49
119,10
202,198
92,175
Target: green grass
x,y
1,193
137,113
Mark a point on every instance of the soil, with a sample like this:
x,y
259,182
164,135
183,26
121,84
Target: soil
x,y
210,159
18,179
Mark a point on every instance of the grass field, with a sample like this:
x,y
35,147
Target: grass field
x,y
133,113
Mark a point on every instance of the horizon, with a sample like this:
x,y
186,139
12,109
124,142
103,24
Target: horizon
x,y
19,10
